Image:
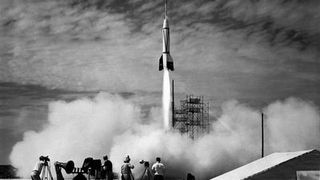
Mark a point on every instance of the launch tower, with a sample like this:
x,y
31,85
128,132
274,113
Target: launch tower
x,y
192,118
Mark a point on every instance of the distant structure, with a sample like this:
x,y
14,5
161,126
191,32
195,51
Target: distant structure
x,y
8,172
192,117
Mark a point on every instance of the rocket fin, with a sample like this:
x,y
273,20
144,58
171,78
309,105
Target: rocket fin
x,y
161,63
170,63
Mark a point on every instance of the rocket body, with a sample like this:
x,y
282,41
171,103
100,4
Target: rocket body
x,y
166,60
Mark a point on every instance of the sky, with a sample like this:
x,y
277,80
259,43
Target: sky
x,y
228,49
253,51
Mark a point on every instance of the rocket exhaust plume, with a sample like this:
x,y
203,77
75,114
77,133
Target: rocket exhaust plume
x,y
166,99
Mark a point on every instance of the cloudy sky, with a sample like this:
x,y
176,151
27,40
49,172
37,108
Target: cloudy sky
x,y
255,51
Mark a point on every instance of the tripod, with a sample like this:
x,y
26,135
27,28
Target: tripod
x,y
46,172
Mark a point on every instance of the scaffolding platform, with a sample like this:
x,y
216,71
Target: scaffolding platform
x,y
192,118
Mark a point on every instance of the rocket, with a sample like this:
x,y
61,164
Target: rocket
x,y
166,60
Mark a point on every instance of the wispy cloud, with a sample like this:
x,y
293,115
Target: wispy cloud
x,y
229,49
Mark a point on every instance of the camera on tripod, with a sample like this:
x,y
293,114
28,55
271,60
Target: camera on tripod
x,y
143,162
44,170
45,159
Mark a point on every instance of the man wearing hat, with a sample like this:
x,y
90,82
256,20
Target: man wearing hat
x,y
126,173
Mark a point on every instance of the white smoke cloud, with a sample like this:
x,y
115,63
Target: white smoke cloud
x,y
108,124
293,124
76,130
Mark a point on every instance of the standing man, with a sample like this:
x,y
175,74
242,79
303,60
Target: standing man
x,y
158,169
126,173
35,174
107,168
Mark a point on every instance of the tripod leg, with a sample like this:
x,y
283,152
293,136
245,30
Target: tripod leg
x,y
49,172
43,173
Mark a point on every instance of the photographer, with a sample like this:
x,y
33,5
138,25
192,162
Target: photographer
x,y
146,175
107,172
35,174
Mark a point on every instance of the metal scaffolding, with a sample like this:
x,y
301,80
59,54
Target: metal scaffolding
x,y
192,117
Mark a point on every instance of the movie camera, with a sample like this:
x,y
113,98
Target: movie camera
x,y
143,162
45,159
